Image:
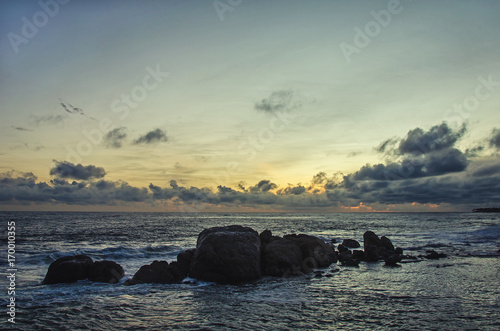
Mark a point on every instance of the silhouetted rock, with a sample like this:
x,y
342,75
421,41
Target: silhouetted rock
x,y
371,239
266,236
315,251
341,248
358,254
351,243
68,269
281,257
392,259
106,272
398,250
185,259
159,272
371,253
386,242
229,254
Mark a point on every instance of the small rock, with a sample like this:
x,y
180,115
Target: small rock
x,y
351,243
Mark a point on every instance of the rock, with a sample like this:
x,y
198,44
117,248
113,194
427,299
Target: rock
x,y
315,252
351,262
351,243
433,255
342,248
159,272
281,257
371,239
386,242
398,250
371,253
184,260
392,259
68,269
106,272
358,254
266,237
229,254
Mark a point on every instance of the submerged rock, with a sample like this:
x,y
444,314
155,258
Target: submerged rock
x,y
433,255
69,269
229,254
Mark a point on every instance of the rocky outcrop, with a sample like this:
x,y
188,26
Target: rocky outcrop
x,y
376,249
71,269
106,272
281,257
159,272
229,254
315,252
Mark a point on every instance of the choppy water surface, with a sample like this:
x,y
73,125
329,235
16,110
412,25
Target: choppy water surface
x,y
460,292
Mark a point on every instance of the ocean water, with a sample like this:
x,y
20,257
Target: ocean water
x,y
460,292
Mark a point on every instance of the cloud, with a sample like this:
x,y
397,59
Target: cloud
x,y
439,137
115,137
152,137
18,128
74,110
66,169
50,119
442,175
495,139
277,100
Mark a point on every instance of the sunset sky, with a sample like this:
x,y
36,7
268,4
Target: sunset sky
x,y
249,105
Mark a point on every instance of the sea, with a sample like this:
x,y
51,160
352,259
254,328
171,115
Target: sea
x,y
459,292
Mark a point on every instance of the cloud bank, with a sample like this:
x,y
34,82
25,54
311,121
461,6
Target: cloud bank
x,y
425,167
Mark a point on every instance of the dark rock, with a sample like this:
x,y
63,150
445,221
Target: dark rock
x,y
398,250
392,259
358,254
371,239
184,260
351,243
344,255
68,269
433,255
106,272
316,252
342,248
266,237
351,263
159,272
371,253
229,254
281,257
386,242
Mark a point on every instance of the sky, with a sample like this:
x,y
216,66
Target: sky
x,y
245,106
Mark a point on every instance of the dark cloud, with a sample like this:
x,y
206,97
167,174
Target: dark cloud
x,y
263,186
292,190
74,110
152,137
18,128
386,145
278,100
495,139
115,138
66,169
439,137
